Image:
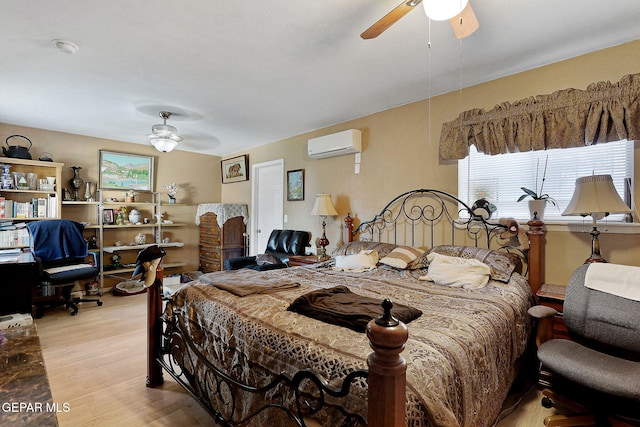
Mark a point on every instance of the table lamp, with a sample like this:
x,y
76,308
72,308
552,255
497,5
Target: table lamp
x,y
323,207
595,196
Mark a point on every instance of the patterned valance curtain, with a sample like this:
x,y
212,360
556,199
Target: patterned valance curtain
x,y
603,112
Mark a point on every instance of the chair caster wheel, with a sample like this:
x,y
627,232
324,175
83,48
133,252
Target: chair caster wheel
x,y
99,303
546,402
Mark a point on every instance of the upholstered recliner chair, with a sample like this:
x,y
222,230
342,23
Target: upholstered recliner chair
x,y
281,245
595,374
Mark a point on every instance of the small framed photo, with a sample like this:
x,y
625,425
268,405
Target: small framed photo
x,y
295,185
235,169
107,216
124,171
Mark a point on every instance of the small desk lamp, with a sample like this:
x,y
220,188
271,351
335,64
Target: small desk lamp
x,y
324,208
595,195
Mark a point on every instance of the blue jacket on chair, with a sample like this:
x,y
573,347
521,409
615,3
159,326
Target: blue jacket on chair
x,y
56,239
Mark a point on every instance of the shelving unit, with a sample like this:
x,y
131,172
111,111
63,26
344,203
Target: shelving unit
x,y
50,195
108,234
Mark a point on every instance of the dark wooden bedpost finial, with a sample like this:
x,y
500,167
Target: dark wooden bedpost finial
x,y
348,221
154,329
387,370
536,262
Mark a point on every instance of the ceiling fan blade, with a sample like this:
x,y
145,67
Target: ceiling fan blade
x,y
465,23
389,19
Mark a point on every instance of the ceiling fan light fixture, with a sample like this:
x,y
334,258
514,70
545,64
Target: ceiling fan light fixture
x,y
164,144
164,137
442,10
163,130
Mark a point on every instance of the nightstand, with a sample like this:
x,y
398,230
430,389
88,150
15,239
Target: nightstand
x,y
297,260
553,296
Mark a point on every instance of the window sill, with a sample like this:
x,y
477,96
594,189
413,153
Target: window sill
x,y
585,227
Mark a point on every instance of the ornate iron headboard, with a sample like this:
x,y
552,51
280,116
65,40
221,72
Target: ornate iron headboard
x,y
427,218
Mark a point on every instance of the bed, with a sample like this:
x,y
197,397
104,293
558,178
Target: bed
x,y
252,360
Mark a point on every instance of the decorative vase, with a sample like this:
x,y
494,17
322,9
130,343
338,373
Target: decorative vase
x,y
134,216
76,182
536,208
88,192
140,239
7,179
172,200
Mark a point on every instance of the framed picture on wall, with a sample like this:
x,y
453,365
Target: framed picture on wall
x,y
235,169
295,185
123,171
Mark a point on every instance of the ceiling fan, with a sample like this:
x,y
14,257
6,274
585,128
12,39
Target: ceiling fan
x,y
163,136
458,12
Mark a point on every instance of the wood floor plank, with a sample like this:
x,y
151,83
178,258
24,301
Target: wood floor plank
x,y
96,362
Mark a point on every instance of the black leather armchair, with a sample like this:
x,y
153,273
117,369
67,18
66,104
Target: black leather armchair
x,y
596,374
281,245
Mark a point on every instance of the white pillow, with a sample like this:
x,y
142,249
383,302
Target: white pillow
x,y
401,256
457,272
364,260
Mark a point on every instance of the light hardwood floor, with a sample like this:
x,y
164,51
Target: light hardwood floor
x,y
96,362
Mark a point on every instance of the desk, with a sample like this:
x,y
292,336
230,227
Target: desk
x,y
16,280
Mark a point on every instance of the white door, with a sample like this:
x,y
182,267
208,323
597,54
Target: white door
x,y
267,199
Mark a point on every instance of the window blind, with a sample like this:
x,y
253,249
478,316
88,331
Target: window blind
x,y
498,178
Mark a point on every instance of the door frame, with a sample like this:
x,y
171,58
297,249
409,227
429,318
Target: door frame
x,y
255,185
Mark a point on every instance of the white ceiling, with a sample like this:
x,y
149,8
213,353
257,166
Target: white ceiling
x,y
247,73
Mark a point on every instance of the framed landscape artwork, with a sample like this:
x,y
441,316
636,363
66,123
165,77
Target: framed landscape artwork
x,y
123,171
235,169
295,185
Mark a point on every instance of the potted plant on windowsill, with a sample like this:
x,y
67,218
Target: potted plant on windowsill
x,y
539,199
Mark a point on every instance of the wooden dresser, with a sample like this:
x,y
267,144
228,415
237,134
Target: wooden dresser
x,y
219,243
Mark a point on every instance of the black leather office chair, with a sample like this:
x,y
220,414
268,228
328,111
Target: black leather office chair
x,y
596,374
61,252
281,245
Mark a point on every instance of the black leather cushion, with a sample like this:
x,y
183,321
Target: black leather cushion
x,y
290,242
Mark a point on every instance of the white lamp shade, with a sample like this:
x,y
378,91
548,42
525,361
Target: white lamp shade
x,y
164,144
441,10
323,206
595,195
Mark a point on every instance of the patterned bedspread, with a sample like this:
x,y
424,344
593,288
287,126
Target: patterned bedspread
x,y
460,353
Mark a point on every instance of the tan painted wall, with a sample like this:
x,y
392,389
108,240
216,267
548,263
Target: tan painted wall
x,y
399,155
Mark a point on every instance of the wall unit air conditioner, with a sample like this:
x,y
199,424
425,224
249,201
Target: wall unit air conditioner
x,y
336,144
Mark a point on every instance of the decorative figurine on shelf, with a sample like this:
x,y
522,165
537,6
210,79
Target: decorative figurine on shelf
x,y
115,261
76,182
130,196
140,239
121,213
173,190
93,242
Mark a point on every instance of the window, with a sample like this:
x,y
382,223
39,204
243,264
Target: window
x,y
499,178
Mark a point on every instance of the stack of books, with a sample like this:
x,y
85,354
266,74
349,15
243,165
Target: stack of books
x,y
13,235
38,207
